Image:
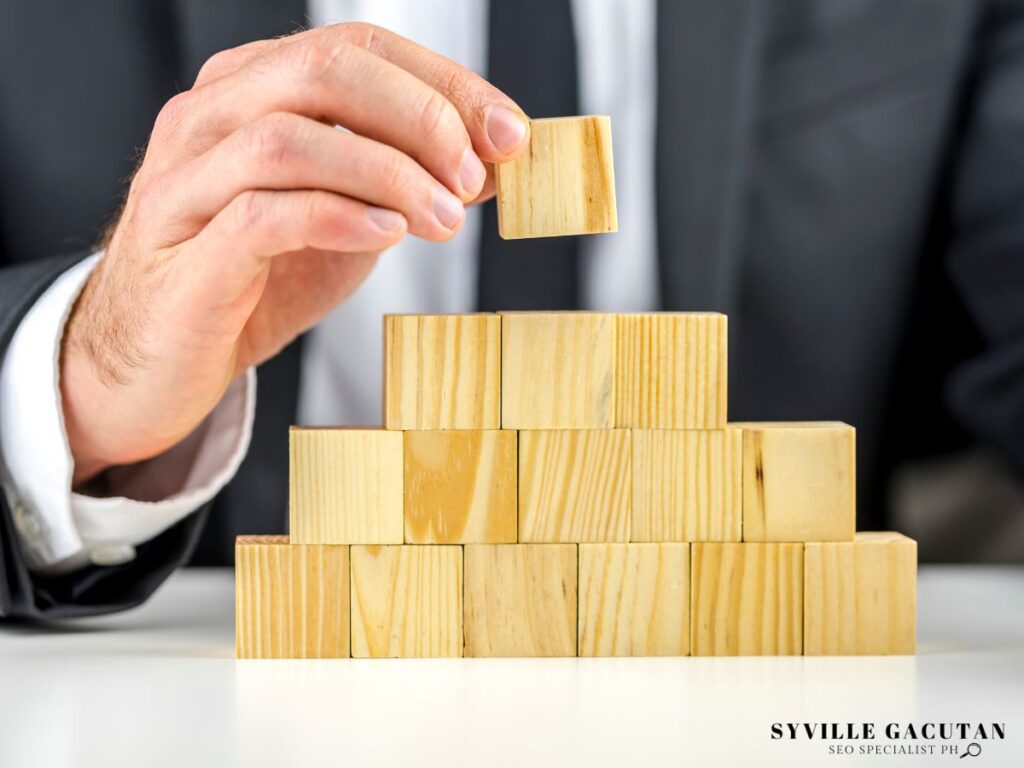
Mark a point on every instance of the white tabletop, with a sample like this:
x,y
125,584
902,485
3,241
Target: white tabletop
x,y
159,686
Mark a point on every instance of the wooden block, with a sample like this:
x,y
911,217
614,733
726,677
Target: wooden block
x,y
442,371
563,184
557,370
520,599
574,485
687,485
671,371
746,599
406,601
291,600
860,597
798,481
634,600
460,487
345,486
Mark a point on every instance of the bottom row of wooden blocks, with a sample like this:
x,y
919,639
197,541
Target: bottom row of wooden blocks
x,y
678,599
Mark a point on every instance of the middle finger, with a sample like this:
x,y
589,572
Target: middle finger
x,y
334,81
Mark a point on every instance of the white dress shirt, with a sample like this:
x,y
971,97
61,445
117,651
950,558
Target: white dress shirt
x,y
341,368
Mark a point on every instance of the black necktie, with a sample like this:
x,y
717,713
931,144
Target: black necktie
x,y
532,57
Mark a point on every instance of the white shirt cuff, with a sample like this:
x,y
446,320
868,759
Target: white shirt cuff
x,y
61,530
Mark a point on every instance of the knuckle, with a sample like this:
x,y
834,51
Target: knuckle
x,y
392,173
220,62
314,59
359,33
247,211
268,141
456,84
315,208
174,114
435,114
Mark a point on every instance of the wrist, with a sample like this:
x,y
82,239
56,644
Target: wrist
x,y
113,420
96,390
83,393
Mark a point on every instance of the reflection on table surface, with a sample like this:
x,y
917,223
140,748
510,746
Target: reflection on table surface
x,y
161,682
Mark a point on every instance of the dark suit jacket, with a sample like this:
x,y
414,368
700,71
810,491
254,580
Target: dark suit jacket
x,y
844,178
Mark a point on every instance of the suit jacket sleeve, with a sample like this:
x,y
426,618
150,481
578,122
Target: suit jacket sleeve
x,y
987,254
92,590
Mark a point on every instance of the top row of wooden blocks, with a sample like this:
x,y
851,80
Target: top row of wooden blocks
x,y
555,370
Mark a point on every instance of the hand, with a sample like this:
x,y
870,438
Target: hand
x,y
252,216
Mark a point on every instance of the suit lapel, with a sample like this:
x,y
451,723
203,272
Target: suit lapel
x,y
208,26
709,56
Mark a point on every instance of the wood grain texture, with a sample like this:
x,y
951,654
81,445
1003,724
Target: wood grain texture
x,y
557,370
574,485
520,599
634,600
746,599
460,487
860,597
563,184
798,481
291,600
345,486
406,601
671,371
687,485
442,371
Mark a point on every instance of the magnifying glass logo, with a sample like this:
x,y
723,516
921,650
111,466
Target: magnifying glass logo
x,y
973,750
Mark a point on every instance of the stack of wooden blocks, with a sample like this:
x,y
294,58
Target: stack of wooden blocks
x,y
561,484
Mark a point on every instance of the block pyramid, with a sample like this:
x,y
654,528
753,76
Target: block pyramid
x,y
562,484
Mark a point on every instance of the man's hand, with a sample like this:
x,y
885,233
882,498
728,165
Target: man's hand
x,y
252,216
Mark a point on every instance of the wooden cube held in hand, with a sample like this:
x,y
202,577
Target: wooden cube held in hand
x,y
442,371
520,599
563,184
798,481
291,600
460,487
860,597
345,486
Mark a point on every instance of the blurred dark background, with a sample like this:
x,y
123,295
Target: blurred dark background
x,y
893,93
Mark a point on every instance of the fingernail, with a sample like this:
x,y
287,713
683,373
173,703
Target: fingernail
x,y
384,218
471,172
448,209
505,128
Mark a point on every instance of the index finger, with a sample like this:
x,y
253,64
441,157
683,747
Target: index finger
x,y
497,126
